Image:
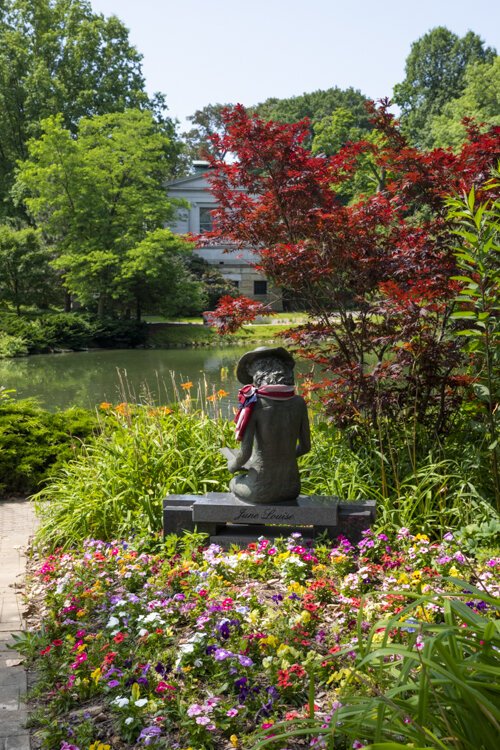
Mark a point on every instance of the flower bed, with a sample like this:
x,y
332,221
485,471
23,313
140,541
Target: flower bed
x,y
196,647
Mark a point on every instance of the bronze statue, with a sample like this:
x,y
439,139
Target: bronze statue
x,y
273,427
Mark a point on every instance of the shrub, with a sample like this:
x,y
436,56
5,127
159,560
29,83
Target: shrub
x,y
72,331
12,346
34,442
65,331
118,334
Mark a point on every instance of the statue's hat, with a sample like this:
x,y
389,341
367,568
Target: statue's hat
x,y
262,351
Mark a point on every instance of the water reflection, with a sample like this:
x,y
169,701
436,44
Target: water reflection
x,y
88,378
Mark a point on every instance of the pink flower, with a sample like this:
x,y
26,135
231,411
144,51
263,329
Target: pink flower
x,y
79,660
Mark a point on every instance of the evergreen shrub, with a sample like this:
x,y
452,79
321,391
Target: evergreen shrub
x,y
50,332
34,442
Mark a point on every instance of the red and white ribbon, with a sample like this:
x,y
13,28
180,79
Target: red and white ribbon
x,y
247,397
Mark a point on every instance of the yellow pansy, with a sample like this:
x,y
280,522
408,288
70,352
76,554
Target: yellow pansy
x,y
271,640
96,675
318,568
296,588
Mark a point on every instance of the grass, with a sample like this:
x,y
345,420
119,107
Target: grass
x,y
279,318
118,481
171,335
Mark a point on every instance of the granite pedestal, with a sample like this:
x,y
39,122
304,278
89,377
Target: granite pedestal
x,y
228,520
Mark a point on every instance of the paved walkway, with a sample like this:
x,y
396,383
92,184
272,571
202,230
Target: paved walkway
x,y
17,523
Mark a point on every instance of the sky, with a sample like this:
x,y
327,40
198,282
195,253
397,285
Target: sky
x,y
200,52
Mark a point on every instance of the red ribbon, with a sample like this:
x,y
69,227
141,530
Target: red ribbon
x,y
247,397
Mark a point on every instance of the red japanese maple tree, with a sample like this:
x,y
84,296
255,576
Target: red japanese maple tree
x,y
375,275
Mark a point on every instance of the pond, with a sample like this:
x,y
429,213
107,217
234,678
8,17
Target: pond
x,y
86,379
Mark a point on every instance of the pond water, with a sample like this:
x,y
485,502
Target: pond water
x,y
85,379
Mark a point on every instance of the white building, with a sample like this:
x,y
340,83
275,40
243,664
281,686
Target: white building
x,y
234,265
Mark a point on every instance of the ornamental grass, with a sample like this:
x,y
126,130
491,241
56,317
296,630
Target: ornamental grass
x,y
142,453
175,644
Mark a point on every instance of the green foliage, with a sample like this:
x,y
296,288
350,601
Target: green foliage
x,y
59,56
478,258
34,442
144,453
166,335
334,132
47,333
206,123
435,74
109,333
479,101
316,105
118,483
12,346
97,196
215,285
155,274
425,491
477,536
26,276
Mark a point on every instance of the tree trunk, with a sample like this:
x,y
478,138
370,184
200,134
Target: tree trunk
x,y
101,306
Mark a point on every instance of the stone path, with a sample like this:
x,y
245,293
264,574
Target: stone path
x,y
17,524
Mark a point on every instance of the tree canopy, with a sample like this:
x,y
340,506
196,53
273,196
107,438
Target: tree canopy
x,y
479,101
59,57
26,276
435,74
207,122
97,196
315,106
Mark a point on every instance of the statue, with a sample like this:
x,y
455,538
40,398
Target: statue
x,y
273,427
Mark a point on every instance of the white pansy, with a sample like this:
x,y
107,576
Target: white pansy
x,y
121,701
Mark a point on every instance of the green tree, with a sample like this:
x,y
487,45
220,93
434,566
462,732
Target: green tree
x,y
26,276
155,276
58,56
316,106
97,195
215,284
207,121
338,130
435,75
480,101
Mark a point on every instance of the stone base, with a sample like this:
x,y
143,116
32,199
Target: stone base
x,y
228,520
